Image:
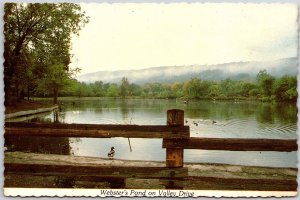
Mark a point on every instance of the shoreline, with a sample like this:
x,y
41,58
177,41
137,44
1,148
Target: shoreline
x,y
28,108
217,99
26,105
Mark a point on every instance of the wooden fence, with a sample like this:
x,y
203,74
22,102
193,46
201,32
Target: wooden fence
x,y
176,138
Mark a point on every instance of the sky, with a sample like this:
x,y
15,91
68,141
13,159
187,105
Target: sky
x,y
123,36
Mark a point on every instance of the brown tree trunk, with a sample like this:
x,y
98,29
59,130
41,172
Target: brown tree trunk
x,y
28,93
55,95
7,91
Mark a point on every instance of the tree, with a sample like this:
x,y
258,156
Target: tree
x,y
56,79
228,88
246,88
135,90
254,92
39,33
124,87
190,88
177,90
97,88
112,90
214,90
265,82
196,88
286,89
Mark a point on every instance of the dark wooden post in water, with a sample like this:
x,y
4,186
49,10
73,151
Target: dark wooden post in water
x,y
174,155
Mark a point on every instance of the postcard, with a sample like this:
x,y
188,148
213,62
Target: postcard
x,y
150,99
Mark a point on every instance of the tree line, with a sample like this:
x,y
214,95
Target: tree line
x,y
264,88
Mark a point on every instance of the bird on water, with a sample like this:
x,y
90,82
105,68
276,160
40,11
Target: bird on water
x,y
111,154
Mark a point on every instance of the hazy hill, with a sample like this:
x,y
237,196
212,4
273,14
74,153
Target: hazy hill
x,y
235,70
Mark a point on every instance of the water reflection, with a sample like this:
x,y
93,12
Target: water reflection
x,y
205,118
266,114
124,109
286,112
142,149
262,112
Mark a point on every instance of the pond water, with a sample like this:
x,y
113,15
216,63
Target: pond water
x,y
219,119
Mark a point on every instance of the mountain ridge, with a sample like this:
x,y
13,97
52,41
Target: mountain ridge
x,y
167,74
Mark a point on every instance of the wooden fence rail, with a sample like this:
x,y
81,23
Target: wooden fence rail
x,y
233,144
161,177
95,130
176,136
106,171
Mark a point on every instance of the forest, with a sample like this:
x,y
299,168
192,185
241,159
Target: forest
x,y
265,88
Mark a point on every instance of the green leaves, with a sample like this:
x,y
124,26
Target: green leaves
x,y
113,90
266,82
286,89
124,87
40,34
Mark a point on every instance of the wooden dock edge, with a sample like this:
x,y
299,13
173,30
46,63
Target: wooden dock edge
x,y
30,112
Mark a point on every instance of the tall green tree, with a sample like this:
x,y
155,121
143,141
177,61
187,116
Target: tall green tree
x,y
39,34
124,87
55,80
266,82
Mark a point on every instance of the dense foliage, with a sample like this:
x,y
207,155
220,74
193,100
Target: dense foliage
x,y
37,47
265,88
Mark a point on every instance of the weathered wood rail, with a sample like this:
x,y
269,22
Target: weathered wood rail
x,y
233,144
171,178
55,171
176,138
95,130
106,171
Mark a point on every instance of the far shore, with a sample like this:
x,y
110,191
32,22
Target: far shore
x,y
183,99
46,102
139,97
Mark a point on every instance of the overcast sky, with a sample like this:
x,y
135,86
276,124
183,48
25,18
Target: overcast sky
x,y
135,36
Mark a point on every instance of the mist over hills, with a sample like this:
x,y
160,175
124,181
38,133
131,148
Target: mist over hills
x,y
246,71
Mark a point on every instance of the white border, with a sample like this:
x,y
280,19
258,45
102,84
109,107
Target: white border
x,y
91,192
97,193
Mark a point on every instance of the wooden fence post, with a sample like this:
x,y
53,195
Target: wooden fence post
x,y
174,155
